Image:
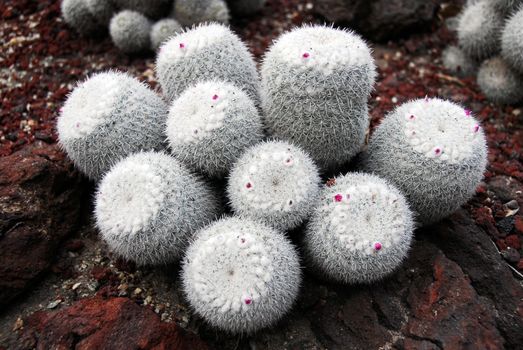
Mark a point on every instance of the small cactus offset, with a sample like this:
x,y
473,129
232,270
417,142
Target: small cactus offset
x,y
511,41
434,151
316,81
240,275
457,62
130,31
76,14
101,10
479,28
162,30
149,206
189,12
274,182
203,53
150,8
499,82
210,125
246,7
360,231
108,117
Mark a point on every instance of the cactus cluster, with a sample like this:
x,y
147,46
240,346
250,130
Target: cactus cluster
x,y
489,35
161,158
141,25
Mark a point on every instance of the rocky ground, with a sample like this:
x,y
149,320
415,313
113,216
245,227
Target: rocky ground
x,y
60,288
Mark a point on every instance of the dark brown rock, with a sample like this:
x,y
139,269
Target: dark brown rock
x,y
40,197
98,323
380,19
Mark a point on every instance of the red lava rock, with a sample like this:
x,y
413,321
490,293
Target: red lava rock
x,y
97,323
101,274
513,241
74,245
40,196
520,264
518,224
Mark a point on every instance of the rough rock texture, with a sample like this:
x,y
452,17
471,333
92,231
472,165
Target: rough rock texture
x,y
40,199
116,323
379,19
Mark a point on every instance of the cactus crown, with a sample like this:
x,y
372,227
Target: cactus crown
x,y
440,130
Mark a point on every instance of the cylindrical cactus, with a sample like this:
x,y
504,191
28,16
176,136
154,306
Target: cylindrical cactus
x,y
150,8
432,150
274,182
102,10
189,12
499,82
77,15
210,125
479,29
203,53
511,41
455,60
130,31
108,117
315,84
162,30
149,206
360,231
241,275
246,7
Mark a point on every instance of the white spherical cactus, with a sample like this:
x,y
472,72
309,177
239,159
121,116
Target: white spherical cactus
x,y
77,15
505,7
130,31
162,30
189,12
499,82
432,150
149,206
315,85
240,275
108,117
455,60
360,231
511,41
204,53
210,125
479,29
274,182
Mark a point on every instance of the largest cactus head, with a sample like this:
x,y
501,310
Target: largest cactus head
x,y
315,84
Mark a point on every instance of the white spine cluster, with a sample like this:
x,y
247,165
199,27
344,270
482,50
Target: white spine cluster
x,y
211,124
240,275
190,12
457,62
206,52
316,81
479,28
434,151
149,206
274,182
360,231
108,117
